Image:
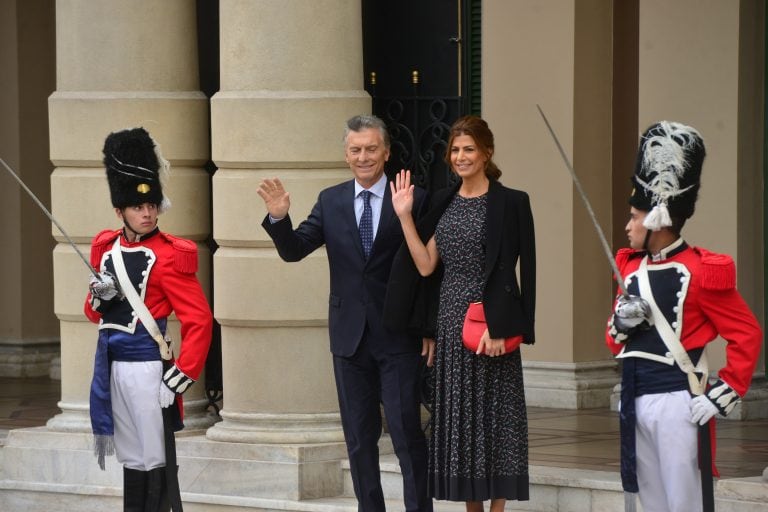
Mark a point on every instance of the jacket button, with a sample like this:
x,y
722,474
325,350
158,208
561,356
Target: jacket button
x,y
501,266
508,288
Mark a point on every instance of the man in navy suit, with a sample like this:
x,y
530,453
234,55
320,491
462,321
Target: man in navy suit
x,y
372,364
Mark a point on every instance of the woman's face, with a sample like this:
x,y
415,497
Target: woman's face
x,y
467,161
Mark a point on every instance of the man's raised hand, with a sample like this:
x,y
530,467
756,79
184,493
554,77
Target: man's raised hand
x,y
276,199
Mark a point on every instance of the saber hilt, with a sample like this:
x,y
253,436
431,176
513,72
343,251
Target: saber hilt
x,y
606,247
50,216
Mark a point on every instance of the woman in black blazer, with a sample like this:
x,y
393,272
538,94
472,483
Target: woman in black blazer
x,y
470,244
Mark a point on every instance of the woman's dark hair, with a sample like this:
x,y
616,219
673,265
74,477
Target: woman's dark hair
x,y
476,128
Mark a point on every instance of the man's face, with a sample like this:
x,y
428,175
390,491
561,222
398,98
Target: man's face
x,y
635,230
365,153
141,218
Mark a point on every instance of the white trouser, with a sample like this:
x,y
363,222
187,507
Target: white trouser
x,y
667,453
139,441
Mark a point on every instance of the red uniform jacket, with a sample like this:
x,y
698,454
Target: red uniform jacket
x,y
171,286
712,307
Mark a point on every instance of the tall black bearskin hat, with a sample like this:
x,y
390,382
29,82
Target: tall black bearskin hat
x,y
134,169
667,173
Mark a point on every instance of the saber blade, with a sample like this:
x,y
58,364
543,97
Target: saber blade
x,y
48,214
585,199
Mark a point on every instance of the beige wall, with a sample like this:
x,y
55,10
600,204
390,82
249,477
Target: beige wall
x,y
10,194
714,82
26,271
24,146
751,154
698,62
556,54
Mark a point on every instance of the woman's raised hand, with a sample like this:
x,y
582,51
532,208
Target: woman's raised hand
x,y
402,193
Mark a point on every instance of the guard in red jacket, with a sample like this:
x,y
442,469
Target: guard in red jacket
x,y
144,276
679,298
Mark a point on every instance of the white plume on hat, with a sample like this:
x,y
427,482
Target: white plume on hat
x,y
664,164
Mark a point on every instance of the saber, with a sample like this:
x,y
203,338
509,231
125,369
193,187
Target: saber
x,y
591,212
48,214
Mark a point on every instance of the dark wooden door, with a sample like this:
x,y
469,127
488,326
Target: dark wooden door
x,y
416,60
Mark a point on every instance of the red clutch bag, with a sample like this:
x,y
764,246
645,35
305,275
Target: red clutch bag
x,y
475,326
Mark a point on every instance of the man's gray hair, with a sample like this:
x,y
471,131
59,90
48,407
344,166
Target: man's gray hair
x,y
366,122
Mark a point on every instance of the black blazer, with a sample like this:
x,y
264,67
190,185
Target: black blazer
x,y
358,287
510,307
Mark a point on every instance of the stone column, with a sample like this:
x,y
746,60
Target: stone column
x,y
291,74
569,75
119,64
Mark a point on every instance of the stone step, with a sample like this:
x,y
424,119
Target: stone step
x,y
742,495
554,489
46,471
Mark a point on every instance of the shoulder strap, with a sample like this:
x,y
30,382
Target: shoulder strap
x,y
668,335
136,303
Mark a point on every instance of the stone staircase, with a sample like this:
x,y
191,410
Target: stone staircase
x,y
53,483
552,489
576,490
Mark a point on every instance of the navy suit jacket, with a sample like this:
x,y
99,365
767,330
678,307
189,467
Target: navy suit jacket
x,y
358,286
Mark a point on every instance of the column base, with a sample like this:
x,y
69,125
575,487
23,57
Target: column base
x,y
54,370
27,357
75,417
754,405
277,428
197,416
569,385
38,460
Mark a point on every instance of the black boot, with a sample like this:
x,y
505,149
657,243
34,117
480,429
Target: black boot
x,y
134,490
157,492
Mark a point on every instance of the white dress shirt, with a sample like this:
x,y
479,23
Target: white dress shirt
x,y
377,198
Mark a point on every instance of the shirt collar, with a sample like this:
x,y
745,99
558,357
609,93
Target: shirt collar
x,y
670,250
140,238
377,189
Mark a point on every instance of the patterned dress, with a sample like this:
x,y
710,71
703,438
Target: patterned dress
x,y
479,440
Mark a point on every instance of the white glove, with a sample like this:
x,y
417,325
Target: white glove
x,y
630,313
165,396
105,287
702,410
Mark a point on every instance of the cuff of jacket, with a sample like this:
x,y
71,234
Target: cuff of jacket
x,y
723,396
176,380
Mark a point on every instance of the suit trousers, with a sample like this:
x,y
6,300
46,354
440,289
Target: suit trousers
x,y
363,382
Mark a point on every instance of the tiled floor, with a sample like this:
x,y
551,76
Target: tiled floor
x,y
589,439
585,439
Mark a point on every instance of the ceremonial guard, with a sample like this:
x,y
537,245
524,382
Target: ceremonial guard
x,y
679,298
143,276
